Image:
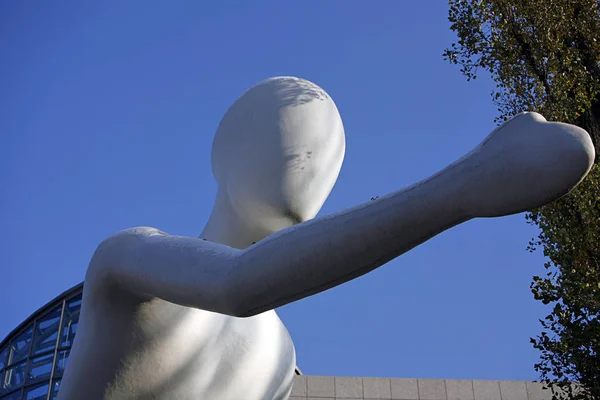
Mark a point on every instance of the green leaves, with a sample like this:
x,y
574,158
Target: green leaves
x,y
544,55
570,238
541,53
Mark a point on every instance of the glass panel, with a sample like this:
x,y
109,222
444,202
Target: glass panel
x,y
46,331
40,368
3,357
75,302
70,320
55,387
39,392
13,396
19,347
61,362
13,377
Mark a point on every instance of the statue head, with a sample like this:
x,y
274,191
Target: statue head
x,y
278,151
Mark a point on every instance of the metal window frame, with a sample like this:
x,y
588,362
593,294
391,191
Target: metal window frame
x,y
31,322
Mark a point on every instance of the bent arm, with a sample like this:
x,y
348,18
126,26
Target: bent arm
x,y
522,165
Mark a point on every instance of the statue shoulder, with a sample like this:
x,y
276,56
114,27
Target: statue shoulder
x,y
114,252
139,231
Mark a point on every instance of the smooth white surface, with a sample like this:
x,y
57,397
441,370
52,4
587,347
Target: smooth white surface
x,y
160,313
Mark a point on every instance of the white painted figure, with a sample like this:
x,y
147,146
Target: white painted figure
x,y
171,317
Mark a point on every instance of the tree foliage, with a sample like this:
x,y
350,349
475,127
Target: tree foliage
x,y
544,56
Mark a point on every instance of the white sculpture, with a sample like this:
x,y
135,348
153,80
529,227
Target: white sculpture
x,y
171,317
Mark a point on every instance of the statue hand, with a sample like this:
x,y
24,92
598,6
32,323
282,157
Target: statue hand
x,y
526,163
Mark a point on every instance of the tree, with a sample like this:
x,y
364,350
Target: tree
x,y
544,56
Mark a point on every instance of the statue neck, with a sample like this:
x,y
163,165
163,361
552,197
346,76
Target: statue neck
x,y
226,227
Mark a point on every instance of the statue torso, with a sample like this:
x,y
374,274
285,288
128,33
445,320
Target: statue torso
x,y
131,349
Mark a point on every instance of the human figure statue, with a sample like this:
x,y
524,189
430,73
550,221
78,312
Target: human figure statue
x,y
172,317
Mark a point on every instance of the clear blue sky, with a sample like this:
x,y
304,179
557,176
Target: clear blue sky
x,y
107,114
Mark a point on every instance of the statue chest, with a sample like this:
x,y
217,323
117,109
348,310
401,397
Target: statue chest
x,y
179,352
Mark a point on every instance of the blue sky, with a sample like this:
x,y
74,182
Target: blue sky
x,y
107,114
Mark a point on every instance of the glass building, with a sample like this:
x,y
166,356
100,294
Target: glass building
x,y
34,355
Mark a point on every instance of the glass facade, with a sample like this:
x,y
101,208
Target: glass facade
x,y
33,357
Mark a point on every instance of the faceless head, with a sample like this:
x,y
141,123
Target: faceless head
x,y
278,151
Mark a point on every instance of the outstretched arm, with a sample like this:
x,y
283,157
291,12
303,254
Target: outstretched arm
x,y
522,165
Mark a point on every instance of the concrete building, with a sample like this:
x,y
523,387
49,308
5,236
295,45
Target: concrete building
x,y
34,355
341,387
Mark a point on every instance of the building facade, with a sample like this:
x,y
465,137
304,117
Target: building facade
x,y
308,387
34,355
